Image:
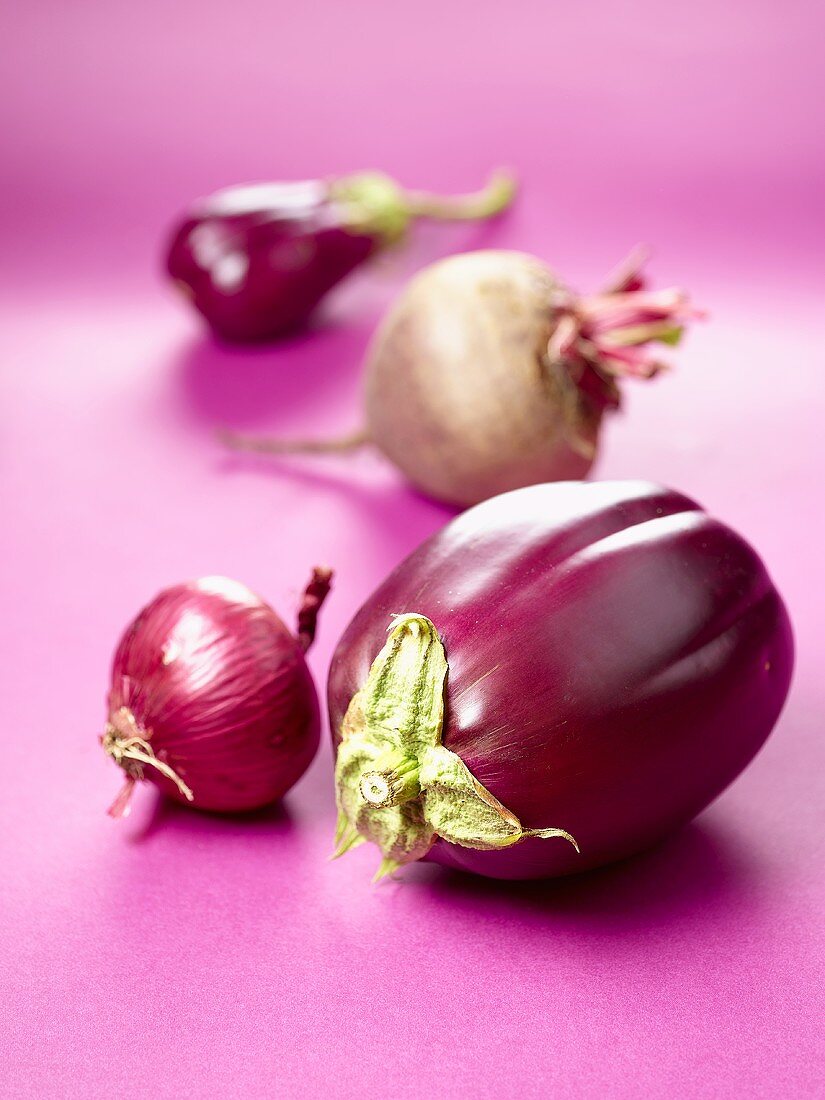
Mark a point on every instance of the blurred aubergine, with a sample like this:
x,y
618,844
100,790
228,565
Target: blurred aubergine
x,y
257,259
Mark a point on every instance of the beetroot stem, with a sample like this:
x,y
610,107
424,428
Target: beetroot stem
x,y
237,441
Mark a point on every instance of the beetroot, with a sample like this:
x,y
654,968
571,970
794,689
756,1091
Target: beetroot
x,y
488,374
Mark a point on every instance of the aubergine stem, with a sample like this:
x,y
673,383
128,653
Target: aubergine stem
x,y
495,196
396,784
314,595
237,441
132,753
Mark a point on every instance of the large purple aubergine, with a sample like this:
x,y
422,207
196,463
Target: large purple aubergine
x,y
560,677
257,259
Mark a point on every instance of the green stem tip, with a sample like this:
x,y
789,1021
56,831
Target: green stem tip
x,y
374,203
497,194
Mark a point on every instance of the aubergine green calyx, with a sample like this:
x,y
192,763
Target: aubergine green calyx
x,y
396,784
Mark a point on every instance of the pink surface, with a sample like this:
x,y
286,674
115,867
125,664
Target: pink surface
x,y
178,954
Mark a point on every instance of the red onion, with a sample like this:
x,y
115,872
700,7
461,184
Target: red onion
x,y
211,697
572,671
256,260
488,374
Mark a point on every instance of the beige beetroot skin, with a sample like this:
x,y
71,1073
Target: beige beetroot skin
x,y
460,392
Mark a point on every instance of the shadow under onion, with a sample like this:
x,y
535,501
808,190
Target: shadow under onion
x,y
163,815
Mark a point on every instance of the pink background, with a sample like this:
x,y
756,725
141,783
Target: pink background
x,y
182,955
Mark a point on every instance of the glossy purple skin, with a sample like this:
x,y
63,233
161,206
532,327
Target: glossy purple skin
x,y
256,260
616,657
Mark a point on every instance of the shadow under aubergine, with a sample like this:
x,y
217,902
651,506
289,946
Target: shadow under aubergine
x,y
242,386
697,870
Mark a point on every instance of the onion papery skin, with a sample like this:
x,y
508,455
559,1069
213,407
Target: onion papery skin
x,y
616,657
220,690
